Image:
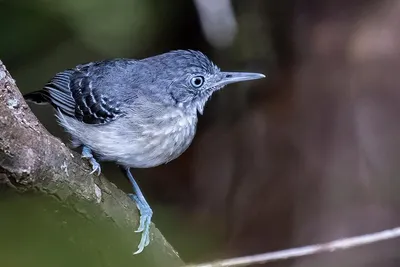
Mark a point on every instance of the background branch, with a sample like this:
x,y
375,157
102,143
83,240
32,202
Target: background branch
x,y
306,250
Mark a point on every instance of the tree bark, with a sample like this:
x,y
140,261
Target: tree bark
x,y
33,160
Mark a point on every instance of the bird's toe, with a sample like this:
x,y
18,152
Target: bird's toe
x,y
95,167
146,214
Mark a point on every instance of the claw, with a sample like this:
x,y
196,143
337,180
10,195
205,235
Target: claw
x,y
95,166
145,240
140,249
87,154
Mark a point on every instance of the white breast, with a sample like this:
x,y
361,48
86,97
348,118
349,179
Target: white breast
x,y
167,142
138,143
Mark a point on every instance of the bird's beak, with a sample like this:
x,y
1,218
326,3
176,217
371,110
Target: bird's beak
x,y
234,77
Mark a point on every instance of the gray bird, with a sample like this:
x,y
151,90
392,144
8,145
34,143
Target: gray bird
x,y
136,113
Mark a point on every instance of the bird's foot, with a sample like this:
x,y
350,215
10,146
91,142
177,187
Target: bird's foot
x,y
144,209
87,154
145,220
95,166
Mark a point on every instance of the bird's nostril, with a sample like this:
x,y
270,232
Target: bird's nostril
x,y
228,76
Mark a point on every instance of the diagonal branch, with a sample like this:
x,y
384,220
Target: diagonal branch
x,y
306,250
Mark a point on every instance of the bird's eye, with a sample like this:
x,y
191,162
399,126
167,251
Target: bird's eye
x,y
197,81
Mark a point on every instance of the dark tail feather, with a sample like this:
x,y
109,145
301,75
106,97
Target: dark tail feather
x,y
38,97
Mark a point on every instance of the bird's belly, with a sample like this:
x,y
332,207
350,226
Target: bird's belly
x,y
134,143
146,148
154,150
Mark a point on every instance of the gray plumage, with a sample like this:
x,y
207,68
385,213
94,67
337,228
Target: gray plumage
x,y
137,113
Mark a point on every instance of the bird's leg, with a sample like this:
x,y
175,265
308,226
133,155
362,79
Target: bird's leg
x,y
87,154
145,211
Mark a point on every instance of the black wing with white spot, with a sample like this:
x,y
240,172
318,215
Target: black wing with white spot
x,y
76,93
93,105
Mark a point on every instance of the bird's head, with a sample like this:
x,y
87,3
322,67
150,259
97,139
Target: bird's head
x,y
191,78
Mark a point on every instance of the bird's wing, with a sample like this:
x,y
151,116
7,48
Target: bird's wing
x,y
82,93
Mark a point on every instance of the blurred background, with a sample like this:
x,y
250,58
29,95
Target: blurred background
x,y
310,154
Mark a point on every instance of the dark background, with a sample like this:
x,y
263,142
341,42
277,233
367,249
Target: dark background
x,y
310,154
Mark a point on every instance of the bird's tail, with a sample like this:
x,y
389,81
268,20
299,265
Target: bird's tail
x,y
40,97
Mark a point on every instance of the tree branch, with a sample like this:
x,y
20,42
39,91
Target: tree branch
x,y
306,250
32,159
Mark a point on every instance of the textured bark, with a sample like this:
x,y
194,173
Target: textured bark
x,y
32,159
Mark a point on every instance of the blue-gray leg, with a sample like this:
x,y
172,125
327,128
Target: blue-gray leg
x,y
145,211
87,154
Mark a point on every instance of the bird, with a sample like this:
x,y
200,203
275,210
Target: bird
x,y
137,113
